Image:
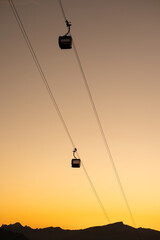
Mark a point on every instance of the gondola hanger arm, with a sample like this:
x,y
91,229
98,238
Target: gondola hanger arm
x,y
68,24
74,151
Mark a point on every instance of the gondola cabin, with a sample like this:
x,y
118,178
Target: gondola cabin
x,y
76,163
65,42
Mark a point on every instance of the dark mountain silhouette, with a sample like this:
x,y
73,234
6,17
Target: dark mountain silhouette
x,y
115,231
9,235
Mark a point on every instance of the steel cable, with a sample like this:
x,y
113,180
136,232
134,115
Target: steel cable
x,y
34,56
100,125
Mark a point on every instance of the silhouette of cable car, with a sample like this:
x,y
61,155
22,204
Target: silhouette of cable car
x,y
65,42
76,163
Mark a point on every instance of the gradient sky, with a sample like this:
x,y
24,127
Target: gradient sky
x,y
118,42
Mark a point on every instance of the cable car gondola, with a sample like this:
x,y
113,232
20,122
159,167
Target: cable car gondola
x,y
76,163
65,42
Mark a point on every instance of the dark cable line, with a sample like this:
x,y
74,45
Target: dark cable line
x,y
61,6
100,126
103,134
95,192
98,199
27,40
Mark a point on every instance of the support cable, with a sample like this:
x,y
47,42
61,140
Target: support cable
x,y
27,40
103,136
95,192
100,126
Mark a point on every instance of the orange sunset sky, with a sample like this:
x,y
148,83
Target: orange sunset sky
x,y
118,42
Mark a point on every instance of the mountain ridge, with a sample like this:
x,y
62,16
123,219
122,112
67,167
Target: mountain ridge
x,y
114,231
